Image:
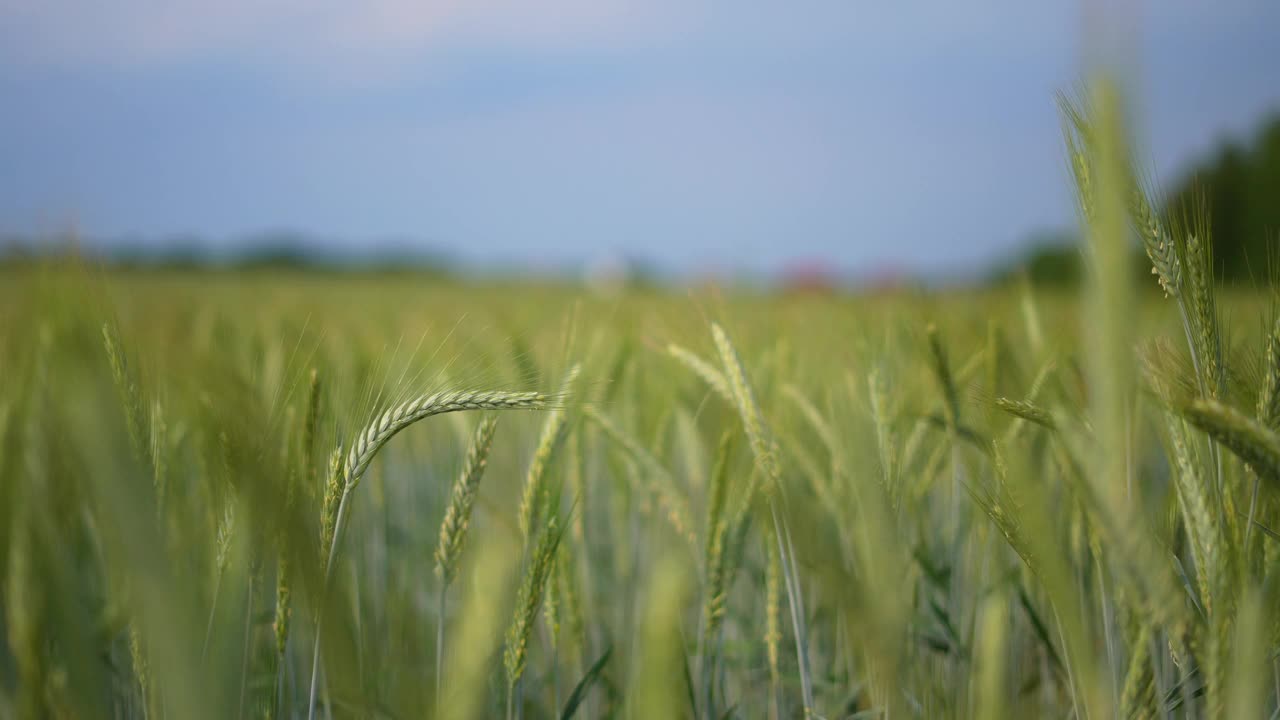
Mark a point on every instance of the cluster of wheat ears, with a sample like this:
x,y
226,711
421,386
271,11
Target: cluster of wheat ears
x,y
867,515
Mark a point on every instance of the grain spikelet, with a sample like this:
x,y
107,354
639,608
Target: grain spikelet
x,y
946,381
703,369
1166,264
395,419
762,443
660,481
1269,396
773,620
1253,443
553,428
1204,312
329,504
457,518
1026,411
528,600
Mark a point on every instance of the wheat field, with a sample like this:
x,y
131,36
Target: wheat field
x,y
239,494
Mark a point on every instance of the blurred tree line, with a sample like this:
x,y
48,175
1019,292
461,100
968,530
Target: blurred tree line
x,y
1240,187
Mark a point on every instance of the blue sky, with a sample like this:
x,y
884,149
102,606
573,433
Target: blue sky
x,y
867,137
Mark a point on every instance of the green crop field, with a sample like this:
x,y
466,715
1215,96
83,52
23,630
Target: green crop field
x,y
307,494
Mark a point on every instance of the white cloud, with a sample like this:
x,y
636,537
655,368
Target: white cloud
x,y
342,32
145,31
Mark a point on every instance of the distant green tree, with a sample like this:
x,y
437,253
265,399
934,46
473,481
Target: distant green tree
x,y
1240,185
1052,259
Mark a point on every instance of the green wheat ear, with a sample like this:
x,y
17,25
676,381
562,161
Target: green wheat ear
x,y
715,563
1027,411
372,439
553,430
309,424
395,419
765,449
329,503
762,443
454,526
529,599
773,619
946,380
1254,443
660,482
1165,255
1193,503
457,519
703,369
1269,396
1204,311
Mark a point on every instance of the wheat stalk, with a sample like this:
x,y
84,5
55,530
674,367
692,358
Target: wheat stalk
x,y
553,429
1202,532
284,611
1138,694
1077,140
660,689
395,419
1269,396
1250,440
991,655
1027,411
454,526
773,623
528,600
377,434
703,369
765,450
1204,313
715,529
946,380
457,518
877,396
1268,412
762,443
329,502
1166,264
661,483
127,386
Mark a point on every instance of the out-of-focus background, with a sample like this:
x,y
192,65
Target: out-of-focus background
x,y
801,415
805,142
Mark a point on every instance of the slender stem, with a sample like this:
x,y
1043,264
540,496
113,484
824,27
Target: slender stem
x,y
248,641
707,669
1214,456
1188,699
1157,670
324,591
786,553
146,701
1253,509
555,674
520,699
515,700
1275,677
1108,636
1066,655
280,683
440,644
775,702
708,685
315,666
213,609
1191,346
